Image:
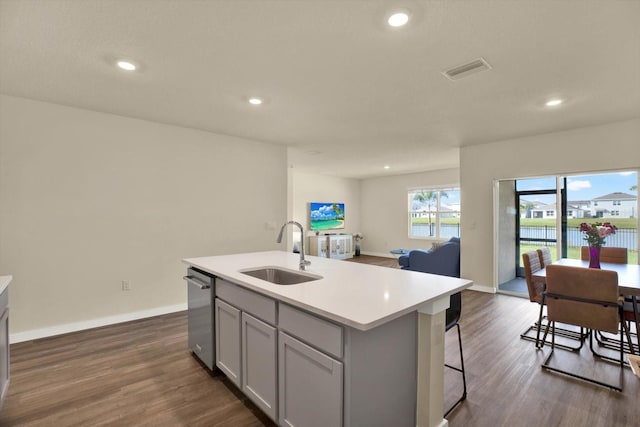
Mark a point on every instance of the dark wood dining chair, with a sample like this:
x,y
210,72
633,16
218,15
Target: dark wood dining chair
x,y
532,262
612,255
588,298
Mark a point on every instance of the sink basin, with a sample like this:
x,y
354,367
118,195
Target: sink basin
x,y
280,276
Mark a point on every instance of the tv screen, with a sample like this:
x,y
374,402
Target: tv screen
x,y
326,216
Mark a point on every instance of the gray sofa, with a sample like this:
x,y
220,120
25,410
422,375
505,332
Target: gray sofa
x,y
443,260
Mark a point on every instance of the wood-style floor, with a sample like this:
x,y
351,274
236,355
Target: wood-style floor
x,y
142,374
375,260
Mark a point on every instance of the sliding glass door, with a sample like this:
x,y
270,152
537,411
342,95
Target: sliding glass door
x,y
604,197
538,211
547,211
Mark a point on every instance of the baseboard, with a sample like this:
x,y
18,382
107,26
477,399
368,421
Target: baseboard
x,y
93,323
487,289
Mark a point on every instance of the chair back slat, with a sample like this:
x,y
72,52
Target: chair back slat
x,y
612,255
531,263
545,256
585,297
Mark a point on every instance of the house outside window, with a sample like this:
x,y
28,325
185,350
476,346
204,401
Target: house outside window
x,y
550,213
434,213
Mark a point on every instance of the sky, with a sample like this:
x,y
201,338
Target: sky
x,y
584,187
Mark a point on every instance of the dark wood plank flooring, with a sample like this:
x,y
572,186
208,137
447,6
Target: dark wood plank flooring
x,y
375,260
142,374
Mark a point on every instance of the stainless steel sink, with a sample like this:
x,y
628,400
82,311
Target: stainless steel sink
x,y
280,276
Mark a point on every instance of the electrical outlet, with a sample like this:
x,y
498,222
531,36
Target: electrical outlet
x,y
126,285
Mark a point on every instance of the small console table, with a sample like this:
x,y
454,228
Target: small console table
x,y
337,246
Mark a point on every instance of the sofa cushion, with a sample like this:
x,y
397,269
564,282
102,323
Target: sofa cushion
x,y
444,261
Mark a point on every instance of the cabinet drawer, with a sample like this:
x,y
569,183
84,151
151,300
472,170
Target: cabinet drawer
x,y
320,333
262,307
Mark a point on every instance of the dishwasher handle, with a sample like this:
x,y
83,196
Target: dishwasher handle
x,y
199,283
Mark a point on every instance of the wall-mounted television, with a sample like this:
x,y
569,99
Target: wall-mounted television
x,y
326,216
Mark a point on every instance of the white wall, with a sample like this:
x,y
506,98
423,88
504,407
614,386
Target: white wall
x,y
599,148
88,199
308,188
506,226
384,209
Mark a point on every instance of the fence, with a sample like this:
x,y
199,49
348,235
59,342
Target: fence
x,y
624,237
426,230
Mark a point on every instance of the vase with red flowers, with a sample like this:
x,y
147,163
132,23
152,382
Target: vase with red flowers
x,y
595,234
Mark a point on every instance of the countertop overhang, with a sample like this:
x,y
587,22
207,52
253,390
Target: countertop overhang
x,y
358,295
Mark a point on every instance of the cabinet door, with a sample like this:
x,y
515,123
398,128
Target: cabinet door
x,y
228,340
259,364
310,385
4,355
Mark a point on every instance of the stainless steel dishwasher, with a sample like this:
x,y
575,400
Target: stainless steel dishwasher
x,y
200,315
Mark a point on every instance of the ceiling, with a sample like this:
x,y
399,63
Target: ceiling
x,y
346,92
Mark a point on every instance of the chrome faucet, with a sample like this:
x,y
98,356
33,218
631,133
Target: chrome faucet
x,y
303,262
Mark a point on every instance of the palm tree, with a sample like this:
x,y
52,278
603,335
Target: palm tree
x,y
429,197
337,210
633,188
526,207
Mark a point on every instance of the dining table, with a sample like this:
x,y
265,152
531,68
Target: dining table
x,y
628,274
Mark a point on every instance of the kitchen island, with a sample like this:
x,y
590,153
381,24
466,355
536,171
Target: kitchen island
x,y
357,345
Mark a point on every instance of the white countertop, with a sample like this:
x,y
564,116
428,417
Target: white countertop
x,y
4,282
358,295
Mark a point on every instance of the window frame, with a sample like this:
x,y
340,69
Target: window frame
x,y
438,212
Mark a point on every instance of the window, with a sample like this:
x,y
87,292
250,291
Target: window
x,y
434,213
616,203
551,213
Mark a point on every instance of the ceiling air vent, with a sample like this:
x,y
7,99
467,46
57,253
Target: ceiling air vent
x,y
467,69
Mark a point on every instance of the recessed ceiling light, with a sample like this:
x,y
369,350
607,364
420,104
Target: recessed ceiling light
x,y
126,65
255,101
398,19
387,167
553,102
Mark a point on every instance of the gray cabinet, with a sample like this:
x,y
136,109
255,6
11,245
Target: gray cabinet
x,y
303,370
259,364
246,343
4,345
228,330
310,385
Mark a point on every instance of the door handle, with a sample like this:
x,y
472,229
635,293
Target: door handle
x,y
199,283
